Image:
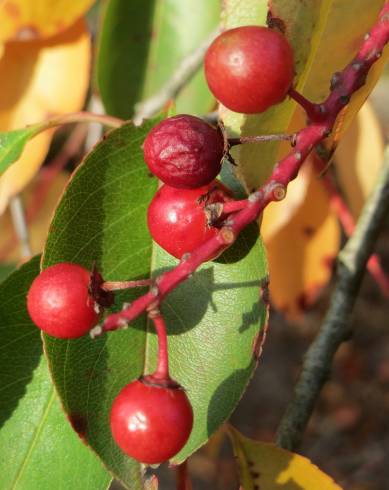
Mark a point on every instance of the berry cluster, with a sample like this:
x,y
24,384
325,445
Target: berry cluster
x,y
248,69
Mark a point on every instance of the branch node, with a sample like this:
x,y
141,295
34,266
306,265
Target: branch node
x,y
227,234
279,192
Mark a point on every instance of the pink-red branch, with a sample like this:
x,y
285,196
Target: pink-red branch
x,y
322,120
348,224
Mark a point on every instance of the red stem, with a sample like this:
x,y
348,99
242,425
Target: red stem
x,y
343,85
348,223
233,206
183,480
313,111
162,371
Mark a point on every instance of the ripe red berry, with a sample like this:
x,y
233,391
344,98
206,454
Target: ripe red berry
x,y
151,423
177,220
184,151
59,302
249,68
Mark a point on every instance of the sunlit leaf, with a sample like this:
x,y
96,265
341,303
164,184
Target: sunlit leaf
x,y
38,448
264,465
149,40
359,157
316,31
39,79
24,20
214,319
304,221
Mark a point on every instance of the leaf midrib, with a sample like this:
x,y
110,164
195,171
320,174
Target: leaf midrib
x,y
35,438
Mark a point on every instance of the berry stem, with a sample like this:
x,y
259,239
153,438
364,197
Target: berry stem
x,y
260,139
347,82
162,371
183,479
313,111
117,285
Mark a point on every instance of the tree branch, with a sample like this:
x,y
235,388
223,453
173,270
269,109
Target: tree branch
x,y
343,85
184,72
335,329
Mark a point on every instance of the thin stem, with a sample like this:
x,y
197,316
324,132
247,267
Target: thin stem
x,y
312,110
162,371
335,329
233,206
260,139
117,285
183,478
184,72
83,116
347,221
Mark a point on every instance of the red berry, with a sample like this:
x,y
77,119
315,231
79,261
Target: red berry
x,y
59,302
177,220
250,68
184,151
151,423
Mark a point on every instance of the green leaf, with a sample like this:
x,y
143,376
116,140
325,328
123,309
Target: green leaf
x,y
38,448
214,319
143,42
12,144
5,270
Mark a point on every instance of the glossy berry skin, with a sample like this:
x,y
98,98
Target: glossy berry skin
x,y
249,68
184,151
177,221
151,423
59,303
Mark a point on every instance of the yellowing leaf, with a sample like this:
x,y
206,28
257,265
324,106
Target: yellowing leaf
x,y
325,36
266,466
302,238
31,19
359,157
39,225
39,79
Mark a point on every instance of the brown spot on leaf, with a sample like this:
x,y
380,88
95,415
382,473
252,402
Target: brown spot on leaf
x,y
79,424
275,23
328,262
302,301
308,231
12,10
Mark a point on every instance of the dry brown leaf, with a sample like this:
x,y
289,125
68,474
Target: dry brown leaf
x,y
39,79
23,20
359,157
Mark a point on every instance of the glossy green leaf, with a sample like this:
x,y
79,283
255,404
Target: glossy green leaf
x,y
38,448
214,319
142,42
12,144
325,35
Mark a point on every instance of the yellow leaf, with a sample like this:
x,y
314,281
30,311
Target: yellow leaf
x,y
302,238
24,20
40,221
266,466
359,157
39,79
